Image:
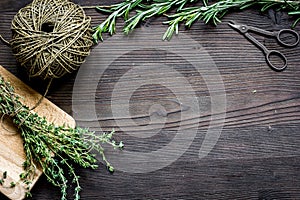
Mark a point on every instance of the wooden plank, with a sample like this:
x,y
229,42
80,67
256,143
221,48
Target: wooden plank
x,y
250,160
12,154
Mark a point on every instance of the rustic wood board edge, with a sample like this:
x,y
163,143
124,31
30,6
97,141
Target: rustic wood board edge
x,y
12,154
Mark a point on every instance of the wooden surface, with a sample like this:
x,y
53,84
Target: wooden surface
x,y
257,155
12,154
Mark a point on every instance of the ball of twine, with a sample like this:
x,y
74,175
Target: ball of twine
x,y
51,38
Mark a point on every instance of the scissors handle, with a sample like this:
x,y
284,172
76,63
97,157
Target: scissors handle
x,y
280,56
270,53
288,32
279,35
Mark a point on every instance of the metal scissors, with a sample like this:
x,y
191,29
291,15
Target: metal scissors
x,y
244,29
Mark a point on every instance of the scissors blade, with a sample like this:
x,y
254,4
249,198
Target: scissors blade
x,y
239,27
233,24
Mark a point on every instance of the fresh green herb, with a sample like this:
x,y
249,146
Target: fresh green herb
x,y
28,194
12,184
143,12
215,11
185,12
53,148
158,7
5,175
115,11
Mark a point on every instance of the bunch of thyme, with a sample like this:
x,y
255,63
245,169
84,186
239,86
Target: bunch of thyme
x,y
53,148
186,12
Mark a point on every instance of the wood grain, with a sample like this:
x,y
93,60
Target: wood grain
x,y
12,154
257,155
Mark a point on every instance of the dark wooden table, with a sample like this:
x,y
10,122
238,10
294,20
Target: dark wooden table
x,y
257,154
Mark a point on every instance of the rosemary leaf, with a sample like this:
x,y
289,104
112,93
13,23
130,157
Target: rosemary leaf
x,y
115,11
185,12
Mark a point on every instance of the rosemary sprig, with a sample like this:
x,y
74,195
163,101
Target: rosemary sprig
x,y
216,11
143,9
53,148
185,12
115,11
158,7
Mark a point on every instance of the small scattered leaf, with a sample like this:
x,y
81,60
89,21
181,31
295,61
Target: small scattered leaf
x,y
5,175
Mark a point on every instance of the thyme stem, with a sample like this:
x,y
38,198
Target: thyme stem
x,y
53,148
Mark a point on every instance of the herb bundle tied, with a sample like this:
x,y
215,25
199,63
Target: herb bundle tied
x,y
54,149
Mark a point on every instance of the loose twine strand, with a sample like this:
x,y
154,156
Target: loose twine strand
x,y
50,38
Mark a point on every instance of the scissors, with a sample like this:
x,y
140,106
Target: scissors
x,y
244,29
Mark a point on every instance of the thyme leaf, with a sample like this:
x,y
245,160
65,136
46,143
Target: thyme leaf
x,y
53,148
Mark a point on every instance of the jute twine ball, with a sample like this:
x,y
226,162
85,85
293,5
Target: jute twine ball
x,y
51,38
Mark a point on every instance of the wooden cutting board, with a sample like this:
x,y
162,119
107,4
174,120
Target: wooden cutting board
x,y
12,154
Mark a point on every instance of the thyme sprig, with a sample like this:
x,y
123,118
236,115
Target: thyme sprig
x,y
53,148
185,12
